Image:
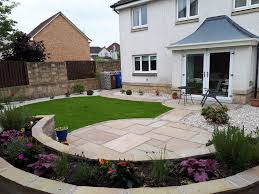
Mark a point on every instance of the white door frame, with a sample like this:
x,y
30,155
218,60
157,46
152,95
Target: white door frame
x,y
206,69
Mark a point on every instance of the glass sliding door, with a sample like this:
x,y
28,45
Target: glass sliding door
x,y
194,72
219,72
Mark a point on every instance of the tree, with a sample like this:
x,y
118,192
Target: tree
x,y
22,48
6,24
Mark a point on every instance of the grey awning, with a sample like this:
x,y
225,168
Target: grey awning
x,y
216,30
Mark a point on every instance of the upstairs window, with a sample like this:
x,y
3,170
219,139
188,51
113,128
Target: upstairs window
x,y
245,4
145,64
187,9
139,17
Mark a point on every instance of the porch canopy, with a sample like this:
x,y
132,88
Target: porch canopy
x,y
216,32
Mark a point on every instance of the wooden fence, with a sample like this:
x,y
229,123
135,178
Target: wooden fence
x,y
13,73
80,69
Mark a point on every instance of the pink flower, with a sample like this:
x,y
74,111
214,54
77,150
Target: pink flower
x,y
28,145
21,156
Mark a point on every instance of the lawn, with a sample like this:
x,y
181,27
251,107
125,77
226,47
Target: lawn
x,y
82,111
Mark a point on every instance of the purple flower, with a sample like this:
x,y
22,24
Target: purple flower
x,y
21,156
28,145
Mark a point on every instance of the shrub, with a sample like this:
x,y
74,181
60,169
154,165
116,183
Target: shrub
x,y
233,147
62,166
141,93
5,99
1,106
14,118
216,115
256,154
44,163
199,170
84,172
78,88
160,167
90,92
67,94
129,92
122,91
7,136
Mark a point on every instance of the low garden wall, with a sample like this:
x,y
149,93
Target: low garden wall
x,y
13,180
102,66
48,79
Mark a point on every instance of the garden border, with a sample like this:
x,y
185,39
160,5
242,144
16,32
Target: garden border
x,y
25,182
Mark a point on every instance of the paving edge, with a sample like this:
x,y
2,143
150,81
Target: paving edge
x,y
44,129
24,182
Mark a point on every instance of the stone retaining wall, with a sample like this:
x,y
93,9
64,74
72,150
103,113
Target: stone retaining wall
x,y
102,66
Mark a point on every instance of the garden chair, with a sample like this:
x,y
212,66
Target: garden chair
x,y
212,93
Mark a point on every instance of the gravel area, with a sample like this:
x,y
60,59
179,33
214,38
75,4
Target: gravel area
x,y
244,116
146,95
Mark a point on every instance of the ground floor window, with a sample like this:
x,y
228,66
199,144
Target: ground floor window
x,y
145,63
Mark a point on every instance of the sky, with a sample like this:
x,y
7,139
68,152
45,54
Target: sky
x,y
94,17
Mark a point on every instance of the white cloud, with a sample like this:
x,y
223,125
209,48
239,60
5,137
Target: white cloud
x,y
94,17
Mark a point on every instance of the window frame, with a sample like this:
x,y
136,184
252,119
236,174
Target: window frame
x,y
247,6
149,63
139,17
188,9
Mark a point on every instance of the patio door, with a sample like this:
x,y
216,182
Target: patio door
x,y
206,70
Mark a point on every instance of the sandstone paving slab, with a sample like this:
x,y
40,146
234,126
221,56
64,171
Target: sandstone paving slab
x,y
165,190
193,152
200,138
111,130
126,142
52,186
237,181
149,148
97,136
178,145
72,138
157,136
249,175
176,115
175,132
157,143
138,129
142,121
78,142
207,187
158,124
119,124
98,190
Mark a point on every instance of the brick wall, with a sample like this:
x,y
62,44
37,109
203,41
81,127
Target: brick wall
x,y
47,79
63,42
102,66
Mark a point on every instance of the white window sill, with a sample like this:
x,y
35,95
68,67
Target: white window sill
x,y
140,28
245,10
186,21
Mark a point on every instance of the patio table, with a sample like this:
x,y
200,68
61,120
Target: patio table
x,y
187,92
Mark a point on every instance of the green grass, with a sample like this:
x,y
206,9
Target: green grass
x,y
82,111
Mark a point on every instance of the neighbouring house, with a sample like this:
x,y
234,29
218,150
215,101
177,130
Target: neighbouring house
x,y
199,43
62,39
94,51
114,50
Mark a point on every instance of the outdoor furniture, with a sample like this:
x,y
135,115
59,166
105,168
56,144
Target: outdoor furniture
x,y
185,91
212,93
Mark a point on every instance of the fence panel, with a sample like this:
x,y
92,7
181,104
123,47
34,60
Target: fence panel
x,y
13,73
80,69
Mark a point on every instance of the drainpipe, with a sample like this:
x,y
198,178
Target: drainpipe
x,y
257,72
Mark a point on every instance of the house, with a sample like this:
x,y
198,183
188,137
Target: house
x,y
62,39
114,49
104,53
199,43
94,51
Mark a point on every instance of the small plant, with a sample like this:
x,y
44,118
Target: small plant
x,y
1,106
199,170
67,94
157,93
122,91
216,115
14,118
78,88
233,147
15,149
160,167
44,163
141,93
62,166
62,133
129,92
7,136
52,97
90,92
84,172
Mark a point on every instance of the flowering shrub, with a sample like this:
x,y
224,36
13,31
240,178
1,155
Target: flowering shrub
x,y
6,136
199,169
44,163
216,115
121,173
